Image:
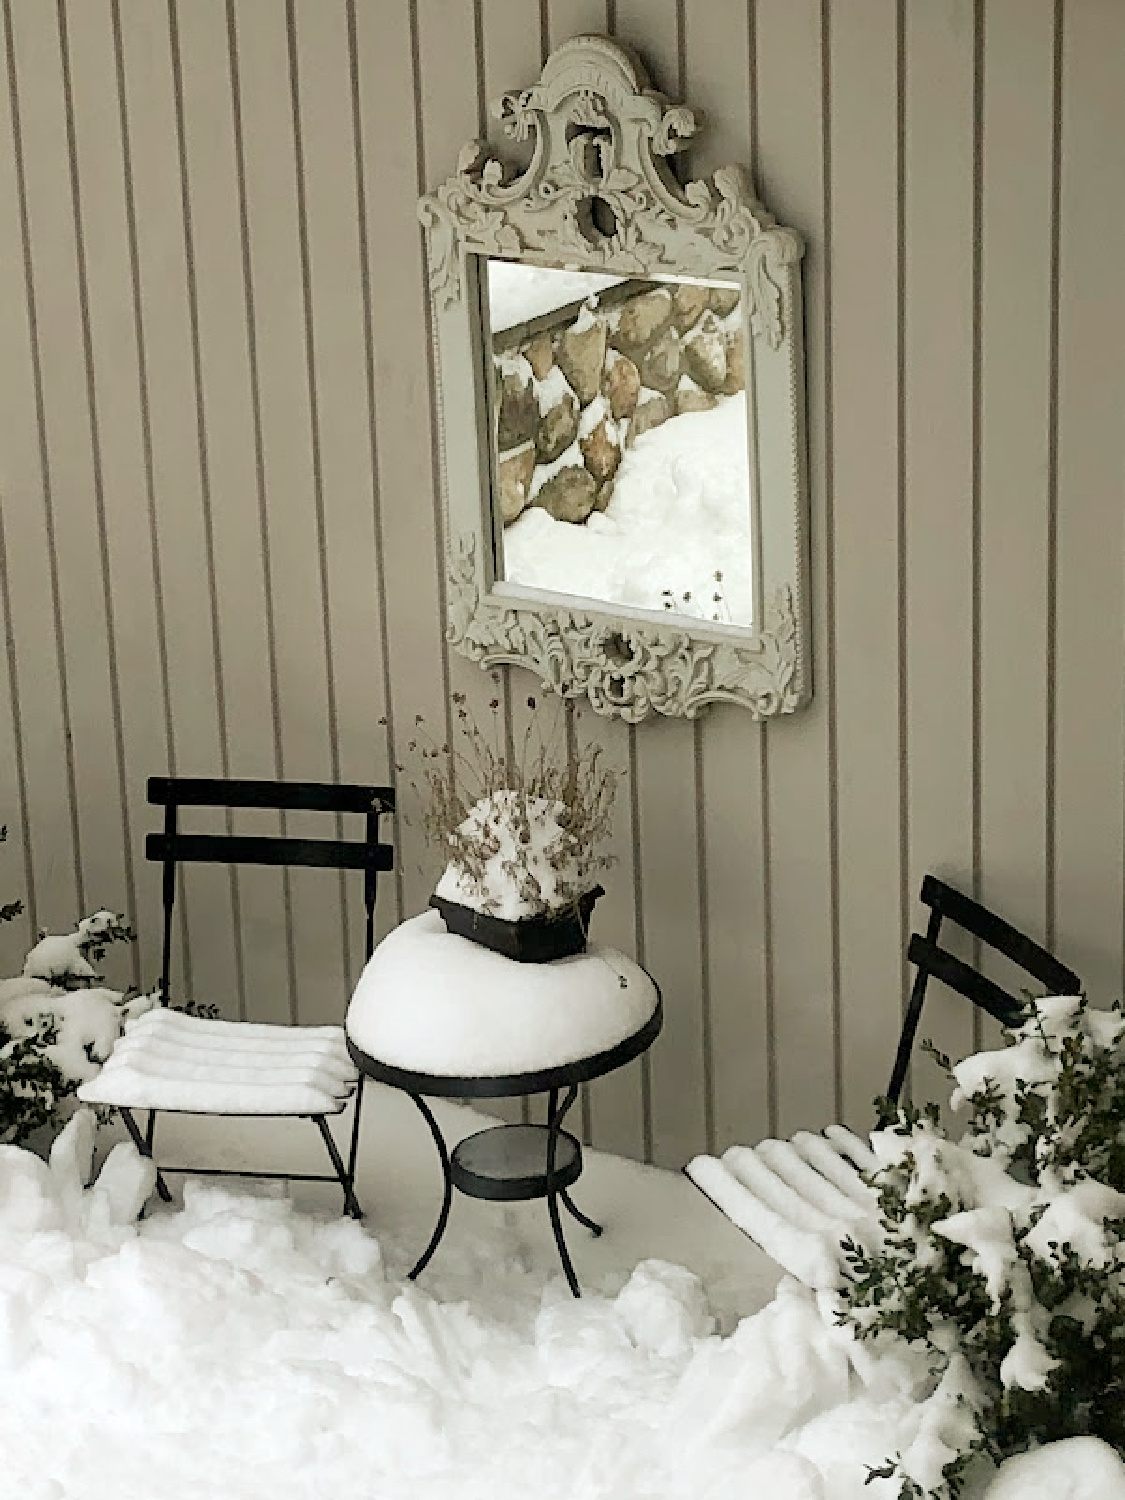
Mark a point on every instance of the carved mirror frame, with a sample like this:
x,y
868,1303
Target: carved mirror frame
x,y
600,132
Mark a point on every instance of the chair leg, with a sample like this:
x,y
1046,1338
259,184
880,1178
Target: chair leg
x,y
143,1144
354,1151
351,1203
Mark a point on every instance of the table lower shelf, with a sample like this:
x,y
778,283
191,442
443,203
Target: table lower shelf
x,y
508,1163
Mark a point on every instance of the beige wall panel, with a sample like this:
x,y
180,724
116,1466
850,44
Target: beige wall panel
x,y
734,914
85,620
652,27
338,355
293,491
1017,496
230,436
182,542
115,368
618,1104
15,936
791,172
865,538
939,471
1090,713
567,18
673,938
38,861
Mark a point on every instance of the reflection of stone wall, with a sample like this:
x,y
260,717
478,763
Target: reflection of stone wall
x,y
580,386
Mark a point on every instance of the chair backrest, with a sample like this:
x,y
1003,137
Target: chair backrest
x,y
947,904
172,847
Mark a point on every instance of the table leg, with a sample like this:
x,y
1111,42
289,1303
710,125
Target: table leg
x,y
555,1114
595,1229
443,1217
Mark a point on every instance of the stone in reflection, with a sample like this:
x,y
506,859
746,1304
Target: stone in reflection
x,y
620,439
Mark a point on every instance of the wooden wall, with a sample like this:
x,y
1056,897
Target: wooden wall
x,y
220,542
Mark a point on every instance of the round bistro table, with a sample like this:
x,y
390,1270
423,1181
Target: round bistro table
x,y
511,1163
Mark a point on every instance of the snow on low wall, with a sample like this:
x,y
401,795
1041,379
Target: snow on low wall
x,y
574,388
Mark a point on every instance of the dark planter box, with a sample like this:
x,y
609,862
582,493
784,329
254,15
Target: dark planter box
x,y
529,940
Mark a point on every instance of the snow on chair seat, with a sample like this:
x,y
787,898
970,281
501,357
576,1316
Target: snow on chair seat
x,y
797,1199
183,1063
234,1043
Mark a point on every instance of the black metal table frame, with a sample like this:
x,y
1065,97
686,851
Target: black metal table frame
x,y
549,1081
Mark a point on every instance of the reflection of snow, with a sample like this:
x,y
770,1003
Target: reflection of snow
x,y
517,293
679,516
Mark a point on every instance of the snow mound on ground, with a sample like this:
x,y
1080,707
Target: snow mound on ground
x,y
1081,1468
240,1348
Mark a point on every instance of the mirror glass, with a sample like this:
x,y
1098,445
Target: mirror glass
x,y
618,421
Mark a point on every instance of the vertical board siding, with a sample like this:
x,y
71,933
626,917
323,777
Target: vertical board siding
x,y
37,788
180,539
221,534
1018,382
1090,601
71,441
231,434
863,67
938,470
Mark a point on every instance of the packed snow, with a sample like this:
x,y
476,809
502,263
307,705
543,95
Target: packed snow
x,y
432,1002
675,536
239,1347
518,292
242,1346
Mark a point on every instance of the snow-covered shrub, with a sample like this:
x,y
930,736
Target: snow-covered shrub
x,y
58,1024
520,826
1003,1253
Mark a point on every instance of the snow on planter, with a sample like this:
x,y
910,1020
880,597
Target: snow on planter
x,y
527,861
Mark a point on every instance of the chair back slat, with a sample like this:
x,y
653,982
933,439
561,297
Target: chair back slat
x,y
282,796
929,959
240,849
966,981
1006,939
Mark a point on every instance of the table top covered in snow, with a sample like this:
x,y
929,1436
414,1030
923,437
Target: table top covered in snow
x,y
434,1004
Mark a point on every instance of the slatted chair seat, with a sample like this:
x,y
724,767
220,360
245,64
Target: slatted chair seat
x,y
168,1060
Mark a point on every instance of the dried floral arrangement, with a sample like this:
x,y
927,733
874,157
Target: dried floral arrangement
x,y
521,824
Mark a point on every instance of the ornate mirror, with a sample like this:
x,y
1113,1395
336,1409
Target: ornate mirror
x,y
619,363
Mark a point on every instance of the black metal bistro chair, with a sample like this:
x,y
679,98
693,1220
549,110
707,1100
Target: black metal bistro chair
x,y
931,961
191,1064
777,1190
